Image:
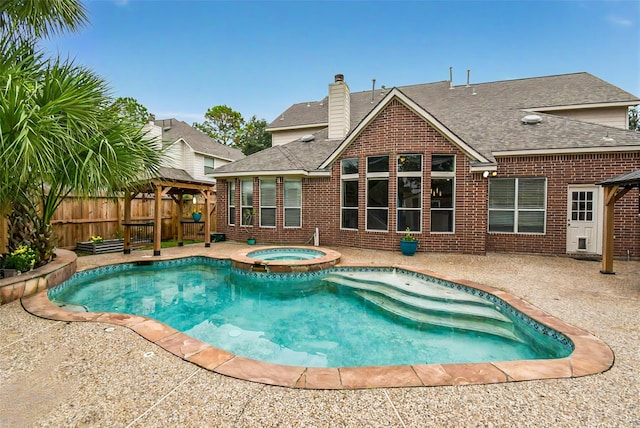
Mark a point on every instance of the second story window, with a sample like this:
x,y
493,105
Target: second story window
x,y
208,166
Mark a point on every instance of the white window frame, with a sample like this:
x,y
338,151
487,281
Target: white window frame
x,y
231,196
376,176
206,167
445,175
343,179
516,210
287,208
246,207
263,206
411,174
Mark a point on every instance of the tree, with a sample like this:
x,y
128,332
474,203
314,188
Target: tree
x,y
254,136
56,135
634,115
29,20
223,124
131,109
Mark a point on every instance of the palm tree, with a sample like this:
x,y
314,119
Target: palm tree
x,y
58,134
28,20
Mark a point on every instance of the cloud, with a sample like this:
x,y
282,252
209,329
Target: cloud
x,y
620,21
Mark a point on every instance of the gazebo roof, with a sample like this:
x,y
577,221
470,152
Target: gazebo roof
x,y
629,179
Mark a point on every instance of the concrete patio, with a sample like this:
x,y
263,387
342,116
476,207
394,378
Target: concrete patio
x,y
55,373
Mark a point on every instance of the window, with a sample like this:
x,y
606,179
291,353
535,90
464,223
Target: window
x,y
517,205
443,179
378,193
246,202
409,202
292,203
349,197
232,203
208,166
268,203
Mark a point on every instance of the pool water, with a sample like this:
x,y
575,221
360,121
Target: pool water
x,y
290,254
320,320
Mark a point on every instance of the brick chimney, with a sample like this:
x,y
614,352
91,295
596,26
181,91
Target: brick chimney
x,y
339,108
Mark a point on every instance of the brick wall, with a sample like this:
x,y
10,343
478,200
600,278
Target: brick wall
x,y
562,171
397,130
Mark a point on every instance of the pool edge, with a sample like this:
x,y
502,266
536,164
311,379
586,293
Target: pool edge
x,y
590,355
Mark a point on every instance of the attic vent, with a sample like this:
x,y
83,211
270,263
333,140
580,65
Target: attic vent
x,y
531,119
307,138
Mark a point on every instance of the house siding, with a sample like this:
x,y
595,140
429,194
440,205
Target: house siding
x,y
562,171
397,130
279,138
618,117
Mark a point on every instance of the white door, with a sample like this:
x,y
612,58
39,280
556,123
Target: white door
x,y
584,219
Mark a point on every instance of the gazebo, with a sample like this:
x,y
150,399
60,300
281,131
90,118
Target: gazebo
x,y
614,189
174,183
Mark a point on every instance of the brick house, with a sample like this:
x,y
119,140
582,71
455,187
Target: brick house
x,y
507,166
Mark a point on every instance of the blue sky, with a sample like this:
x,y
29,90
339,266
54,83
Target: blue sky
x,y
179,58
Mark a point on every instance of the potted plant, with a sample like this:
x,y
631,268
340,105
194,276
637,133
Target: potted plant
x,y
196,215
408,244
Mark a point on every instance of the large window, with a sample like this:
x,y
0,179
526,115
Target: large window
x,y
349,197
208,166
292,203
232,203
409,193
517,205
378,193
268,203
443,178
246,202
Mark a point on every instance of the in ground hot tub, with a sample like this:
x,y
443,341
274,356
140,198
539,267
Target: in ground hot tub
x,y
285,259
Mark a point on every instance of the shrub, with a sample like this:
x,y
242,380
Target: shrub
x,y
21,259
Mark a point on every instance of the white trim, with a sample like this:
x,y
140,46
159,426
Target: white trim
x,y
288,173
583,106
293,127
409,103
599,149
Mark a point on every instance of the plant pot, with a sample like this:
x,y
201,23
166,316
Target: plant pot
x,y
251,241
408,248
196,216
8,273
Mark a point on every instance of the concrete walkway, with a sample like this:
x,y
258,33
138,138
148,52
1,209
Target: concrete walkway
x,y
56,373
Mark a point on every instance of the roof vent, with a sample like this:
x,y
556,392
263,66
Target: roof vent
x,y
307,138
531,119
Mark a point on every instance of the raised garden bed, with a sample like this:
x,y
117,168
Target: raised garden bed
x,y
106,246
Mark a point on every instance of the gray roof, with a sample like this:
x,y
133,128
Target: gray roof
x,y
486,116
630,179
174,129
294,156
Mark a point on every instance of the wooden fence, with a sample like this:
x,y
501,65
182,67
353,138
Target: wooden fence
x,y
78,219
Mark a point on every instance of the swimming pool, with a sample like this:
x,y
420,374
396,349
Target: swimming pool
x,y
343,317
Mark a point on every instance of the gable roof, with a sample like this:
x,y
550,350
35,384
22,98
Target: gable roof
x,y
295,158
484,120
174,130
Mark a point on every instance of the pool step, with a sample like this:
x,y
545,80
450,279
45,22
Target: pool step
x,y
454,320
409,285
426,303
